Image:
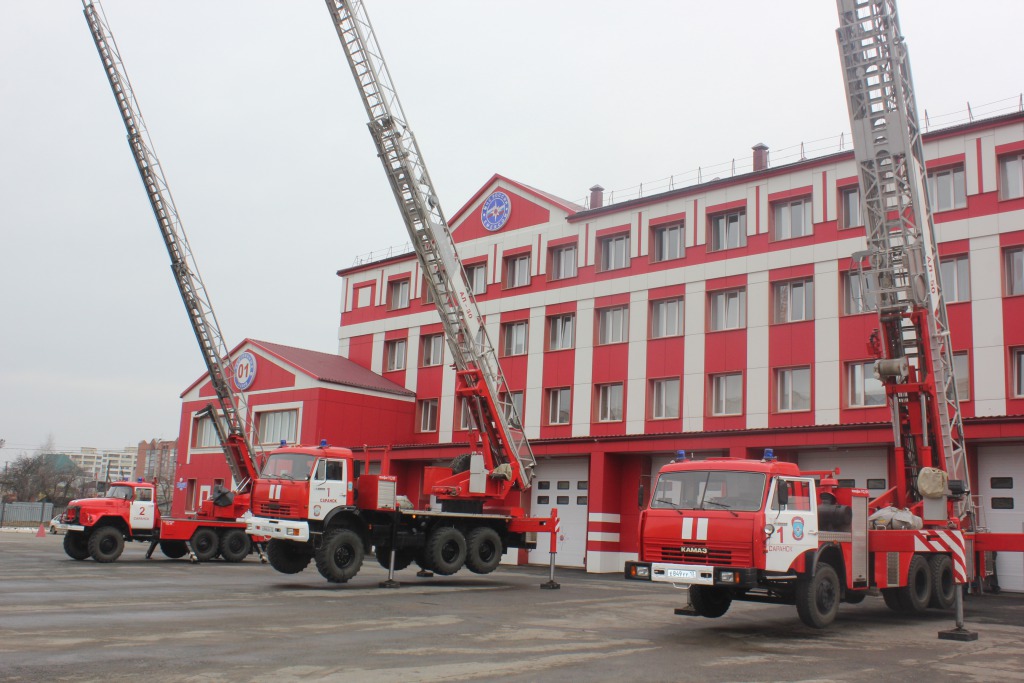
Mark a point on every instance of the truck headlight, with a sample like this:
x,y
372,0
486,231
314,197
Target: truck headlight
x,y
769,529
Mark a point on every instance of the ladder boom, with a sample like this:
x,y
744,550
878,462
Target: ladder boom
x,y
231,405
432,240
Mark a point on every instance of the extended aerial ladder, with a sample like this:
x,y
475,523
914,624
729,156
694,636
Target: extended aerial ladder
x,y
231,405
479,377
899,269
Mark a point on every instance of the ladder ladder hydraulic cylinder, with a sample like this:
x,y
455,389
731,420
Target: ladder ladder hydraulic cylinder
x,y
902,269
429,232
232,406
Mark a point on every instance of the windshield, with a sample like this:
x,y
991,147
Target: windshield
x,y
122,492
709,490
288,466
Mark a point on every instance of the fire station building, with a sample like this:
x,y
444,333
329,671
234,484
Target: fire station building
x,y
720,318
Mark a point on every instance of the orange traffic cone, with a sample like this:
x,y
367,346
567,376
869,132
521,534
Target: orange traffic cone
x,y
42,532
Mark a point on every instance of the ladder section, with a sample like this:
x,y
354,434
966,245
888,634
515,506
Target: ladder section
x,y
431,237
902,256
232,406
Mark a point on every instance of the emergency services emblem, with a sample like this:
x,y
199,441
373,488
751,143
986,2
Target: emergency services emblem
x,y
798,528
245,370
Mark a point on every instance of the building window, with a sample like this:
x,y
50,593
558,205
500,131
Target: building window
x,y
857,299
509,401
609,402
1018,372
792,389
560,331
398,294
668,242
727,394
864,389
947,189
517,271
850,202
363,296
433,350
395,351
728,309
1014,271
466,419
278,426
794,301
513,337
728,230
665,398
1011,176
614,252
190,495
559,406
205,435
792,219
613,325
962,373
563,262
428,293
428,415
955,276
476,278
666,318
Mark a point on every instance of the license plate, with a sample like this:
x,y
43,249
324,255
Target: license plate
x,y
681,573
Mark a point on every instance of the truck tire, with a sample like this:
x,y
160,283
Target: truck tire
x,y
235,545
403,557
76,545
288,557
446,550
174,549
483,550
205,544
460,463
817,597
709,602
944,588
340,555
106,543
915,596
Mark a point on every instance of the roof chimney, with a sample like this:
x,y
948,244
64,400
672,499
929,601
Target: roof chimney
x,y
760,156
596,197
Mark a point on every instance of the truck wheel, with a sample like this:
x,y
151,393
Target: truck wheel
x,y
915,596
106,544
403,557
235,545
288,557
446,550
709,602
892,599
174,549
483,550
76,545
817,597
460,463
340,555
855,597
944,588
205,544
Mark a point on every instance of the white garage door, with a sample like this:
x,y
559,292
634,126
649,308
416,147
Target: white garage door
x,y
863,468
563,484
1001,470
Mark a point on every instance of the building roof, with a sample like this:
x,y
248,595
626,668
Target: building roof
x,y
328,367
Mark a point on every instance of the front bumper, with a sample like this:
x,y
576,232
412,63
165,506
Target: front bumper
x,y
685,575
284,529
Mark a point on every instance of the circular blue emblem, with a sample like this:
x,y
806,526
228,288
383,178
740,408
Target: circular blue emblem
x,y
495,211
244,371
798,528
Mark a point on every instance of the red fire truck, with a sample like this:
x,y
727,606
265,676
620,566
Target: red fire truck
x,y
764,530
316,504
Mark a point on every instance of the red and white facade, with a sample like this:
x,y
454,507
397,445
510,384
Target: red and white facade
x,y
720,319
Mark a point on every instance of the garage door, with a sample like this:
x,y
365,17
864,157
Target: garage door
x,y
562,484
1001,490
863,468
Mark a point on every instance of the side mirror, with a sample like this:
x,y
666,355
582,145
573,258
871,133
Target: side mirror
x,y
781,492
640,498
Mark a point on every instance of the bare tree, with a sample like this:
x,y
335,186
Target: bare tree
x,y
45,475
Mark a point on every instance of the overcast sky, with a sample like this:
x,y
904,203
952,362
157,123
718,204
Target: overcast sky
x,y
262,137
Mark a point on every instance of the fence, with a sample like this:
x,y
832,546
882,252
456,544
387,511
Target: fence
x,y
26,514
